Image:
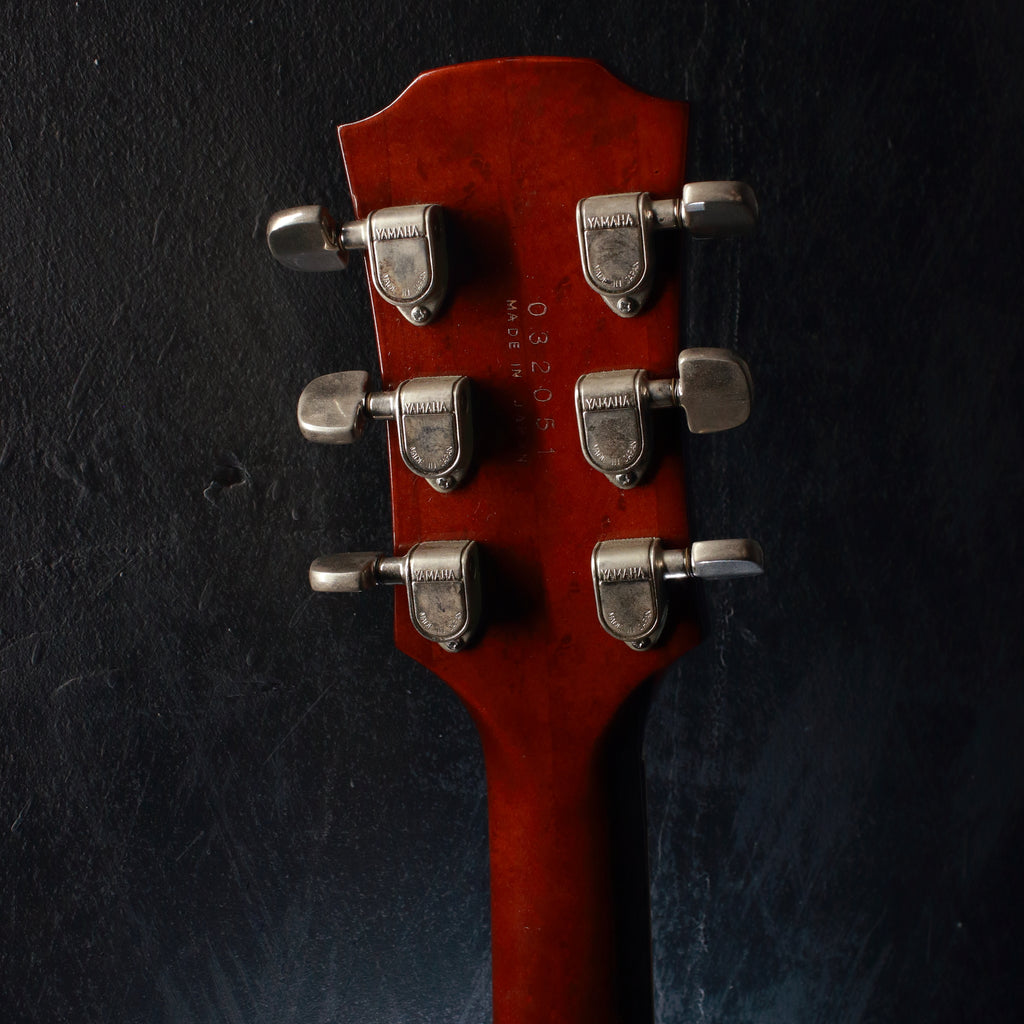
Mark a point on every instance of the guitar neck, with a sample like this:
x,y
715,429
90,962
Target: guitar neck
x,y
569,922
569,894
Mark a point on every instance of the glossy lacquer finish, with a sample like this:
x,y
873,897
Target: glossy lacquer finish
x,y
508,148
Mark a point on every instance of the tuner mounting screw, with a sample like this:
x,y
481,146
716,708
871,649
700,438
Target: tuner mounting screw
x,y
640,645
444,483
454,645
626,306
625,480
419,314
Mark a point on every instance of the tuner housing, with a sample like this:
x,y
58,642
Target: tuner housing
x,y
408,259
629,591
435,428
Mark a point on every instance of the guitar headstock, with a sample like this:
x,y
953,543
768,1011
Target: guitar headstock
x,y
553,178
531,162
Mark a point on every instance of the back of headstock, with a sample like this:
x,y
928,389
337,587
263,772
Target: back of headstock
x,y
507,149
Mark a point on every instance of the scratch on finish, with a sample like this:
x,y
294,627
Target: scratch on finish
x,y
305,714
156,228
297,614
29,199
74,427
66,683
195,839
163,351
105,585
478,993
18,640
21,814
72,398
80,679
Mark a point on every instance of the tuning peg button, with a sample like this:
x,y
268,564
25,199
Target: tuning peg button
x,y
713,387
348,572
433,416
442,579
405,245
716,209
305,238
615,234
332,408
629,578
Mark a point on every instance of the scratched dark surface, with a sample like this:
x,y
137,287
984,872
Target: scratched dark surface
x,y
223,800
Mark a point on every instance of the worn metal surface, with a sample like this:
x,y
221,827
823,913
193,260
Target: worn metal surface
x,y
713,387
616,233
442,578
222,800
629,577
433,416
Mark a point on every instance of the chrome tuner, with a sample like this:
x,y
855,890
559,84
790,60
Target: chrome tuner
x,y
442,579
713,387
615,233
405,246
629,578
433,416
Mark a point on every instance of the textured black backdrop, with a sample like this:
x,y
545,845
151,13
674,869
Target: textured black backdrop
x,y
224,800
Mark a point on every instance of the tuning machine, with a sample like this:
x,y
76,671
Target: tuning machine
x,y
442,579
405,247
713,387
432,414
629,578
615,233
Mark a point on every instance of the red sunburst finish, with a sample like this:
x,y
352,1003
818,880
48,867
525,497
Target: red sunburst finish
x,y
508,148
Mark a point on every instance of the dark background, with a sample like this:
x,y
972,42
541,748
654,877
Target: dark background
x,y
223,799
